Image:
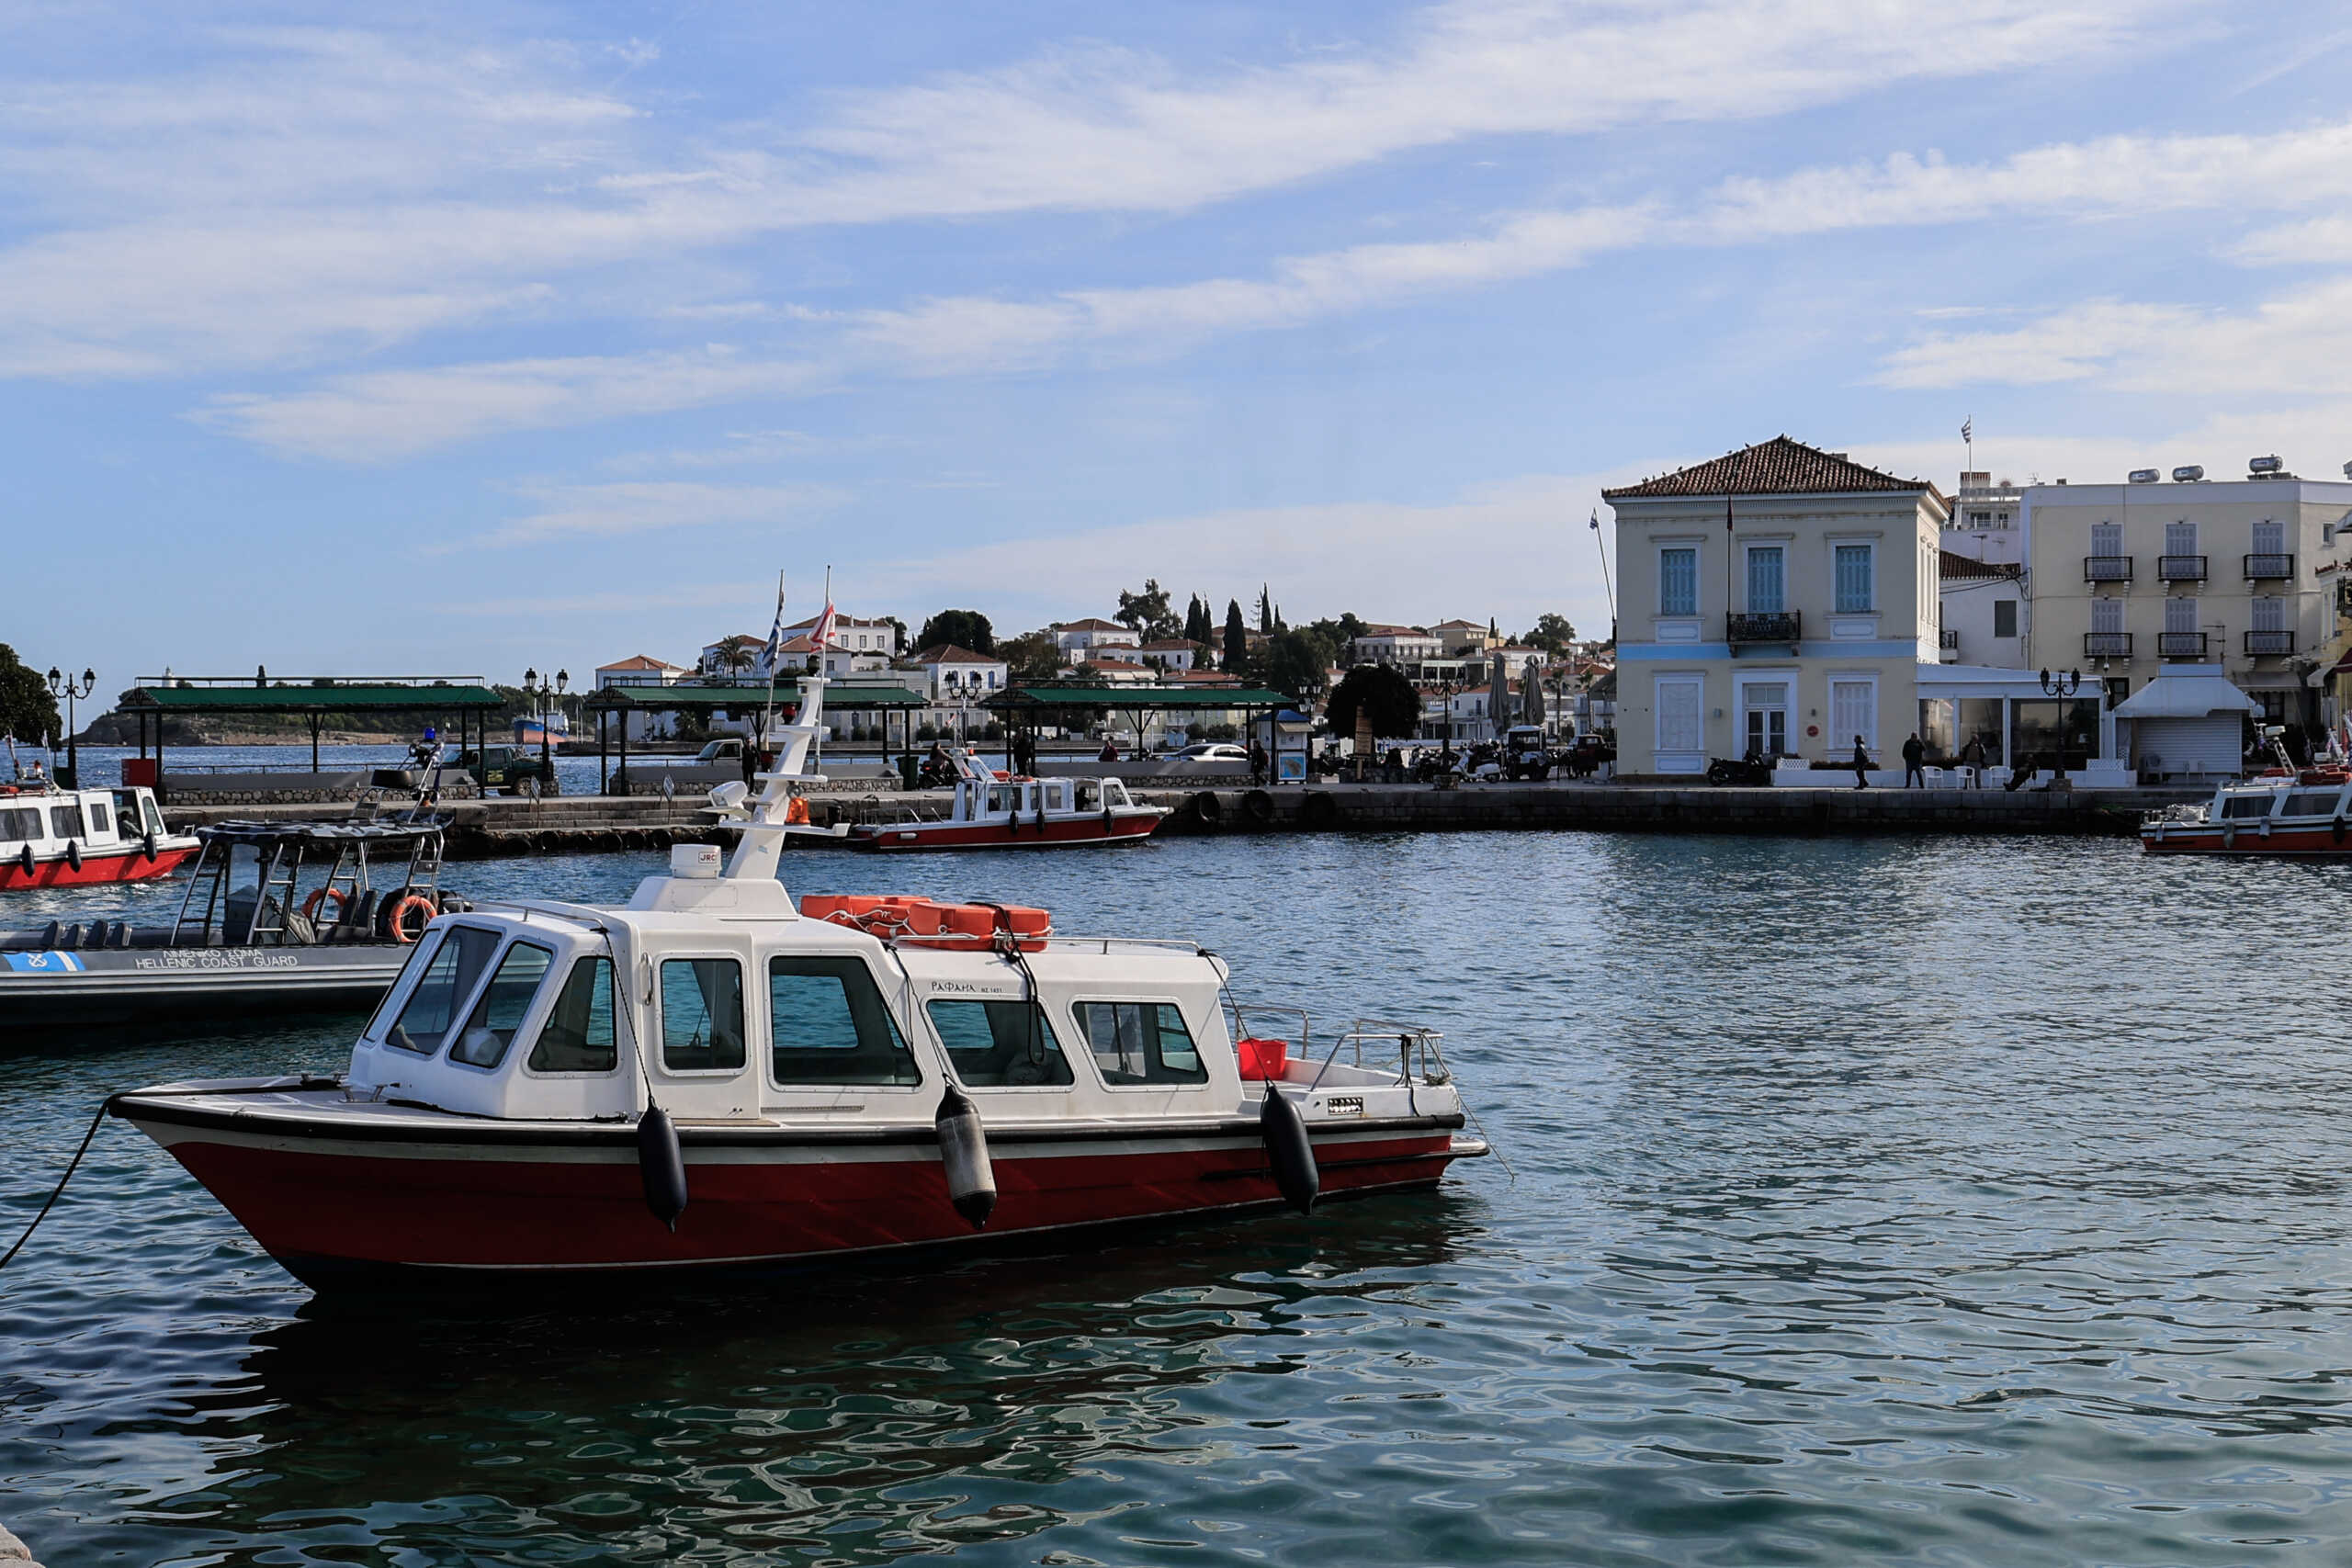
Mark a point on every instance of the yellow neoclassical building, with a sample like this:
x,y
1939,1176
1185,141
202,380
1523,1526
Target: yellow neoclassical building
x,y
1779,599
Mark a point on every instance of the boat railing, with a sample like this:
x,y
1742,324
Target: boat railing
x,y
1419,1051
1108,945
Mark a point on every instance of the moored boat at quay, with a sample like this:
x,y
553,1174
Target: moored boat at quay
x,y
992,810
714,1076
2305,813
70,838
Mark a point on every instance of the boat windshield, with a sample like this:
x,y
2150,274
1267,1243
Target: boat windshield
x,y
449,979
2243,805
489,1029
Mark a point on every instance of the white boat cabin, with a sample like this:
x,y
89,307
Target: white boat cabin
x,y
49,819
981,796
2276,800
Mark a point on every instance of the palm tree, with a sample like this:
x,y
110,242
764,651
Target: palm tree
x,y
736,654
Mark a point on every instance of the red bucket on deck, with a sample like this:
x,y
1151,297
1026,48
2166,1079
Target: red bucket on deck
x,y
1263,1061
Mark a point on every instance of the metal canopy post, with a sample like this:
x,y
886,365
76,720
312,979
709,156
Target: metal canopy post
x,y
315,716
604,773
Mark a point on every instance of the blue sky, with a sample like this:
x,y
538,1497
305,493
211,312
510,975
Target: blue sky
x,y
476,337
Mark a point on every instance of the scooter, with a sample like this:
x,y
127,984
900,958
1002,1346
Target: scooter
x,y
1752,769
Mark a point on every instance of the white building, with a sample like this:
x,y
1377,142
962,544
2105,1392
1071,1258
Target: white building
x,y
1987,520
1079,638
1175,654
1403,648
1982,612
954,676
854,635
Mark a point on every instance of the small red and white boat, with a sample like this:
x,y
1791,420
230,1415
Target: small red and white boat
x,y
2301,812
714,1076
66,838
994,811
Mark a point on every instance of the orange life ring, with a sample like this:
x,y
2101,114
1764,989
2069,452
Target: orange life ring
x,y
796,810
396,923
311,905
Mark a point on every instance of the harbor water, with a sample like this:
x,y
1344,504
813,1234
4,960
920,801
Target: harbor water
x,y
1922,1201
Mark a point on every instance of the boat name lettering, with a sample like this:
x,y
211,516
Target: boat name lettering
x,y
972,989
240,958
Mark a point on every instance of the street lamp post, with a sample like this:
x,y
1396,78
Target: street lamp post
x,y
543,693
64,685
2062,687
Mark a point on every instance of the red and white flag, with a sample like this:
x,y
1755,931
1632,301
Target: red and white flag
x,y
822,632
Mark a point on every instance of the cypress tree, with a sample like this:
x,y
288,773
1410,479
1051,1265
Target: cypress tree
x,y
1236,635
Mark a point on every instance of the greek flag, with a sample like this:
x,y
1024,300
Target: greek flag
x,y
1595,520
1968,428
774,648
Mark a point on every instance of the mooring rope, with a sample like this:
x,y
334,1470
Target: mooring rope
x,y
59,1191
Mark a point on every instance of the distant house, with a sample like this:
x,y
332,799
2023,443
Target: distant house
x,y
854,635
956,676
1077,638
1117,672
640,670
1461,638
1403,648
748,649
1173,653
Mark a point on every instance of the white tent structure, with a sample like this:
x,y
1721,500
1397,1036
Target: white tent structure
x,y
2189,721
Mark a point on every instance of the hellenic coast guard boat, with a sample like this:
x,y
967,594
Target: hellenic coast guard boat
x,y
994,810
65,838
714,1076
2300,812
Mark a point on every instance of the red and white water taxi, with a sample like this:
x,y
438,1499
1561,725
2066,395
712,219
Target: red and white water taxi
x,y
64,838
994,810
2305,812
714,1077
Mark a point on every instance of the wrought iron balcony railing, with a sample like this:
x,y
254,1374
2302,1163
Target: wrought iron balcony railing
x,y
2267,645
1765,626
2107,645
2107,568
2180,645
2263,568
2181,569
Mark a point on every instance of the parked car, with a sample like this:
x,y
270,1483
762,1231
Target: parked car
x,y
508,768
1524,754
1211,751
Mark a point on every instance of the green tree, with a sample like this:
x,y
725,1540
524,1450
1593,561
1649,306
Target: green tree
x,y
1237,637
733,655
1297,663
1033,655
1265,610
964,628
1552,633
28,712
1380,692
1146,614
1200,626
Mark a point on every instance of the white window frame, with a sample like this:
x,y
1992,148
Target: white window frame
x,y
1784,679
1697,581
1842,735
1870,577
1697,682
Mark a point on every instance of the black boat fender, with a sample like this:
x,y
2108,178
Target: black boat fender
x,y
25,859
1289,1151
964,1151
74,854
661,1167
147,848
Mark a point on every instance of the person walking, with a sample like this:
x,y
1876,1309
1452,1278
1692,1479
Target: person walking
x,y
1915,757
1862,765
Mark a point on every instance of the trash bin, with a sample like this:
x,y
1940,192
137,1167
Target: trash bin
x,y
909,770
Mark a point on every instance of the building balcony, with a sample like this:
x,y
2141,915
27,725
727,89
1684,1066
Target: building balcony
x,y
1765,626
2180,645
2107,568
2107,645
2269,645
2181,569
2264,567
1947,646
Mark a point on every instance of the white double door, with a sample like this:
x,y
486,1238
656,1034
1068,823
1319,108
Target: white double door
x,y
1764,718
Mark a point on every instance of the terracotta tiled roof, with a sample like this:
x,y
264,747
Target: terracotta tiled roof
x,y
1777,467
948,653
638,661
1170,645
1954,568
1094,624
1385,630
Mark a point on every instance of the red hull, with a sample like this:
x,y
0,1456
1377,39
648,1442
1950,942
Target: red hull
x,y
328,1211
130,864
2198,839
1001,836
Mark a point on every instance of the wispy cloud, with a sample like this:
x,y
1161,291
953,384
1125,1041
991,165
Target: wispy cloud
x,y
603,509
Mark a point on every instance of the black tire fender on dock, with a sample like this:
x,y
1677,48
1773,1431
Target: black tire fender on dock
x,y
1207,810
1289,1151
1258,805
661,1167
1321,810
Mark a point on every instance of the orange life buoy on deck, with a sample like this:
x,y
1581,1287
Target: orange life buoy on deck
x,y
796,810
311,905
396,924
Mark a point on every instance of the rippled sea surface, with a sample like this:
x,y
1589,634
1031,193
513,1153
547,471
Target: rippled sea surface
x,y
1934,1202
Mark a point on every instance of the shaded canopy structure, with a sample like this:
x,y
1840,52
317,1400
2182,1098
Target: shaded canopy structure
x,y
467,699
704,698
1028,704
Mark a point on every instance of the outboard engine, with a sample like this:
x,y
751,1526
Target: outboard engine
x,y
1289,1151
964,1151
662,1165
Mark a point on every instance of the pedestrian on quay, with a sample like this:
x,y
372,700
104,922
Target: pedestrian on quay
x,y
1110,752
1862,765
1971,763
1915,757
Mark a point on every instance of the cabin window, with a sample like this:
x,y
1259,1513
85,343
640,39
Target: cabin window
x,y
449,980
1140,1043
702,1014
829,1025
99,822
2310,803
155,817
488,1034
1001,1044
19,825
577,1034
2247,805
64,822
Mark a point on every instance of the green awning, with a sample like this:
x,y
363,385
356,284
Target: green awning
x,y
1138,695
683,697
308,699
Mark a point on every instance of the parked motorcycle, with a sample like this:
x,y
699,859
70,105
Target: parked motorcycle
x,y
1753,768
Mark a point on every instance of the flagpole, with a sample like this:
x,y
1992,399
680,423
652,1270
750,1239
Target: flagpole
x,y
775,656
1601,545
